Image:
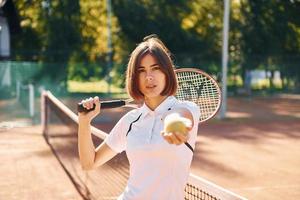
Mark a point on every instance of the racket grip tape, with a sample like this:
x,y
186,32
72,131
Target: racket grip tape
x,y
104,105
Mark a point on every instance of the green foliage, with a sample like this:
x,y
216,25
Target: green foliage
x,y
270,36
69,38
178,23
85,71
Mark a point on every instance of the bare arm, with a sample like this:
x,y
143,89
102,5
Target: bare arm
x,y
90,157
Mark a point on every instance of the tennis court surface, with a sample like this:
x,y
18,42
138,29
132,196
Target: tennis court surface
x,y
28,168
253,157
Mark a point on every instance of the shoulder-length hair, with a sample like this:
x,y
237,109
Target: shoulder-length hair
x,y
158,50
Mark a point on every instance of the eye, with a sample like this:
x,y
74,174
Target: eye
x,y
140,70
156,68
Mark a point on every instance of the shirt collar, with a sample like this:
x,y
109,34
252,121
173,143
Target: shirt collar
x,y
161,108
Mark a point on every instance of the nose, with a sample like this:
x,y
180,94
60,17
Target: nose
x,y
149,77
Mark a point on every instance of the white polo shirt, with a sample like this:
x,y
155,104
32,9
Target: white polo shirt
x,y
158,170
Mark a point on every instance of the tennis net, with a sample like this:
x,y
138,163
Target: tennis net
x,y
60,131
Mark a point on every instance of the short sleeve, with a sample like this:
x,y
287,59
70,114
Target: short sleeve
x,y
193,108
116,139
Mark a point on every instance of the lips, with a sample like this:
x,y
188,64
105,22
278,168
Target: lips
x,y
150,86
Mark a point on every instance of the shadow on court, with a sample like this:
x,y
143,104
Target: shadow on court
x,y
255,152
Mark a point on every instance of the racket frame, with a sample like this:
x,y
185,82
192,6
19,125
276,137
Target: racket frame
x,y
198,71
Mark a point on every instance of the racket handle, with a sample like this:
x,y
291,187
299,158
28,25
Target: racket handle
x,y
112,104
104,105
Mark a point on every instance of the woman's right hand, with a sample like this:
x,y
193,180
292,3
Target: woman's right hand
x,y
89,104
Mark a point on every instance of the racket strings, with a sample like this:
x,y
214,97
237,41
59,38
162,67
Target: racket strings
x,y
199,89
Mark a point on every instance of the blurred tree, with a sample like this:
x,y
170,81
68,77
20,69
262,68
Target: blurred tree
x,y
73,35
62,39
50,34
27,45
270,36
92,30
190,29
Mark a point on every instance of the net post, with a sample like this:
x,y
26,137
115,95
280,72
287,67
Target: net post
x,y
44,111
18,85
31,100
109,43
225,57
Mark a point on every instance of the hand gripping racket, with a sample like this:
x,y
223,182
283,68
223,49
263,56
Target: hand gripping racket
x,y
193,85
108,104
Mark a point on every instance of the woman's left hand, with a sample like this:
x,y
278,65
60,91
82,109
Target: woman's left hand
x,y
176,128
175,137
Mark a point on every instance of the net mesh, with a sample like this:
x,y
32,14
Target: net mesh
x,y
200,89
193,192
60,131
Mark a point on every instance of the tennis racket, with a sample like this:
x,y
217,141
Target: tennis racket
x,y
197,86
193,85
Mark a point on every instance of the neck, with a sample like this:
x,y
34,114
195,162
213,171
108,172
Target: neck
x,y
153,103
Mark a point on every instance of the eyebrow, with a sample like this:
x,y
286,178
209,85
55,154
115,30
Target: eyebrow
x,y
150,65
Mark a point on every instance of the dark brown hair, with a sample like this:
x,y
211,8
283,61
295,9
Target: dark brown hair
x,y
154,46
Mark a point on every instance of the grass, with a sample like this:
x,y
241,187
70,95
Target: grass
x,y
100,88
265,83
260,84
92,87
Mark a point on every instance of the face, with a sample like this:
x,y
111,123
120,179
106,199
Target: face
x,y
152,80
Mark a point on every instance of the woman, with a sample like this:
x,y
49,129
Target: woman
x,y
159,159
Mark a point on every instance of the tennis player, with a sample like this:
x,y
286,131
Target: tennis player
x,y
159,152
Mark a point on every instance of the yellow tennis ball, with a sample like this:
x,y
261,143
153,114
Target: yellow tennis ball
x,y
175,126
175,123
